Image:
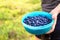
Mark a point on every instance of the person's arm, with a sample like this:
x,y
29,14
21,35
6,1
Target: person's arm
x,y
54,13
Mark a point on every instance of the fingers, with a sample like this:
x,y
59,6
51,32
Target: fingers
x,y
54,15
53,27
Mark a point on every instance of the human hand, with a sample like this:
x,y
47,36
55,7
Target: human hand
x,y
54,13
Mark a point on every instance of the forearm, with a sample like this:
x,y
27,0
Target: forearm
x,y
57,8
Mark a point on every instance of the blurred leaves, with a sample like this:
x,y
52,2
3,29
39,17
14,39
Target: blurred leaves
x,y
11,12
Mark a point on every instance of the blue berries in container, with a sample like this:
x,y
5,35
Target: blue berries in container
x,y
38,22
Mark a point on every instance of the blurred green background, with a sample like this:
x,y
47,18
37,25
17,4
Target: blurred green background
x,y
11,12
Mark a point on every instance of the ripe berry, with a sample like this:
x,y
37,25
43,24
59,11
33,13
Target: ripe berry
x,y
37,20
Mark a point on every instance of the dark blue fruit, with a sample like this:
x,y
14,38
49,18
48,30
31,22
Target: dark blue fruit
x,y
37,20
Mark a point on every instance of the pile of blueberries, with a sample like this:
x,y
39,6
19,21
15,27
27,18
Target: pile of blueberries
x,y
37,20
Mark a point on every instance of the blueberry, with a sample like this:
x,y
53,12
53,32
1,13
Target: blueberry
x,y
49,20
32,18
29,17
25,22
37,20
35,17
37,24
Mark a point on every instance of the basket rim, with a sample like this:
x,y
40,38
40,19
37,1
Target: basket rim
x,y
37,27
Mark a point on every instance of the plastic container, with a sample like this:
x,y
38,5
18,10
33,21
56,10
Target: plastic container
x,y
40,29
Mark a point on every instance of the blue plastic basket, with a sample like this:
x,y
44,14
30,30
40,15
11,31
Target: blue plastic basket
x,y
40,29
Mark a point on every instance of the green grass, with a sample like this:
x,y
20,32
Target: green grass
x,y
11,12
